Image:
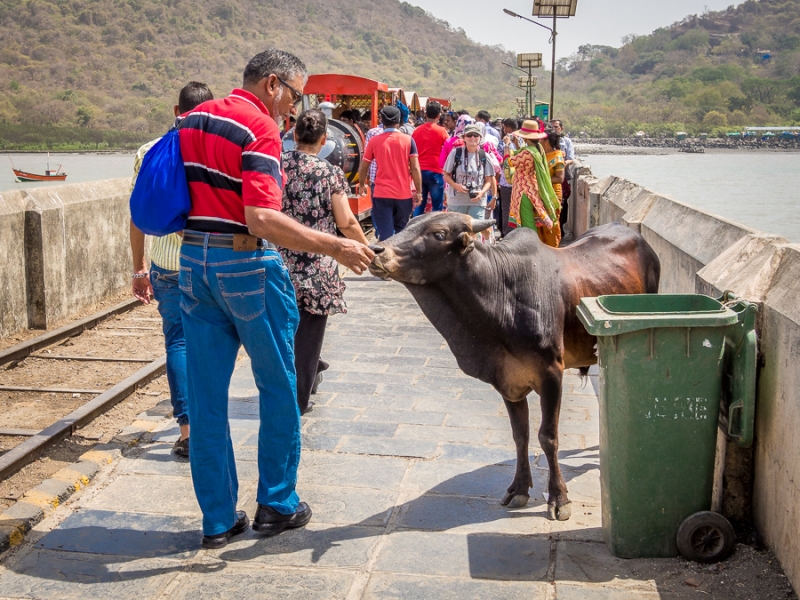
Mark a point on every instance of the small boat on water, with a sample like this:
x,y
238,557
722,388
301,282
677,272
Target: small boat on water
x,y
692,149
49,174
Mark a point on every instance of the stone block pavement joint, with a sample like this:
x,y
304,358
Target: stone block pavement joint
x,y
41,501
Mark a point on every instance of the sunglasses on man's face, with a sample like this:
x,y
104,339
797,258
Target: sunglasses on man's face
x,y
472,135
297,97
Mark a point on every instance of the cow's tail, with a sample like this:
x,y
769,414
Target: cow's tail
x,y
652,270
583,372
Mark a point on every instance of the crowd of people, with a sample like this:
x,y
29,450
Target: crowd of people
x,y
458,163
257,263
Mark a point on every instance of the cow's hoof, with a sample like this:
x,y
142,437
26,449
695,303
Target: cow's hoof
x,y
513,500
559,513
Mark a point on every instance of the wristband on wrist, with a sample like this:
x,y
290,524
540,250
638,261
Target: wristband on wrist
x,y
139,275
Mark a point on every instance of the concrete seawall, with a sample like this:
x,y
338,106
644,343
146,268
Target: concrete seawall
x,y
65,248
704,253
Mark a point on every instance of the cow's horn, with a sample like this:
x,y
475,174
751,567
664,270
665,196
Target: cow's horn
x,y
479,225
376,249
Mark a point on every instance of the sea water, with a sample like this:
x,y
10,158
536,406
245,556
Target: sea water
x,y
757,189
78,167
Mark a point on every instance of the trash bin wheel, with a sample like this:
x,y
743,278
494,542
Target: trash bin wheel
x,y
706,537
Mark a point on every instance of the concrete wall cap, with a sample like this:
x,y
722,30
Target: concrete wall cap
x,y
748,267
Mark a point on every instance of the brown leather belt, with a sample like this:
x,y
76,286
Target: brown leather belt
x,y
233,241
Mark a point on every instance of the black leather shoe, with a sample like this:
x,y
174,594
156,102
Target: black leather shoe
x,y
220,540
269,521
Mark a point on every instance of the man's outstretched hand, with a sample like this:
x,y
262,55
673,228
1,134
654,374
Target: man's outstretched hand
x,y
353,255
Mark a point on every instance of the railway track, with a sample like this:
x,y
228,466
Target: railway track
x,y
54,384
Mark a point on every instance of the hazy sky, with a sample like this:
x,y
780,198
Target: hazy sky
x,y
595,22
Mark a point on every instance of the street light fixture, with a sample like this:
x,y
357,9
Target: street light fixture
x,y
502,62
511,13
555,9
530,61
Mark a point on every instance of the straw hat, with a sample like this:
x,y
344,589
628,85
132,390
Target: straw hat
x,y
531,130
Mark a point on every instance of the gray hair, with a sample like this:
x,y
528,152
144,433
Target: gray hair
x,y
274,62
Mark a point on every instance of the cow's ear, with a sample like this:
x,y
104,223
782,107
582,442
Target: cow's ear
x,y
467,242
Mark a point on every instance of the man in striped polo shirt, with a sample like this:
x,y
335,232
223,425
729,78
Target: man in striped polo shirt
x,y
161,281
236,290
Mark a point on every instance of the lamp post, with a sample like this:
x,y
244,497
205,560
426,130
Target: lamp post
x,y
530,61
528,83
556,9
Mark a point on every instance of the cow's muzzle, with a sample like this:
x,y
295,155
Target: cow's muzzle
x,y
376,267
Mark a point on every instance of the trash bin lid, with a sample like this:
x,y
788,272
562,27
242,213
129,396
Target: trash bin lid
x,y
612,315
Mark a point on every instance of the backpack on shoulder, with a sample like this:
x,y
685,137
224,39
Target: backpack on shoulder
x,y
160,201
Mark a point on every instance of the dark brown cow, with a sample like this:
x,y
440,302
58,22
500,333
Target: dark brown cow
x,y
508,313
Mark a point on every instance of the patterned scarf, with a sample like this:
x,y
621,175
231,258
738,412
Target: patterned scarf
x,y
538,192
461,124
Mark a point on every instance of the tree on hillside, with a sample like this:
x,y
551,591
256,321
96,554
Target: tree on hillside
x,y
715,118
761,89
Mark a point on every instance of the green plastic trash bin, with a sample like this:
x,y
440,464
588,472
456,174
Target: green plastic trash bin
x,y
665,363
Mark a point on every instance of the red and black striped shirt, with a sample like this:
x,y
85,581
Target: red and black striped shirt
x,y
231,151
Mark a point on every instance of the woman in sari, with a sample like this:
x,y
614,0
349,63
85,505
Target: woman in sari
x,y
556,162
534,203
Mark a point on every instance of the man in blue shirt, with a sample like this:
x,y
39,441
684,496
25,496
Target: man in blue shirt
x,y
566,143
569,158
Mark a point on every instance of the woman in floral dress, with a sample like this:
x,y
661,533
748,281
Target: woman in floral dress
x,y
315,195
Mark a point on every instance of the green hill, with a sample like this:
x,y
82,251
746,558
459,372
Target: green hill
x,y
707,73
98,72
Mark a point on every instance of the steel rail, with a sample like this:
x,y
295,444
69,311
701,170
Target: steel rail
x,y
29,450
90,358
25,348
52,390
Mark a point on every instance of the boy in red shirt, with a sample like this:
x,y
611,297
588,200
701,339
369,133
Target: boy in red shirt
x,y
396,154
430,138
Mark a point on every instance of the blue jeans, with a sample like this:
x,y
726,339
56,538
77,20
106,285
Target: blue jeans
x,y
228,299
390,216
432,183
168,295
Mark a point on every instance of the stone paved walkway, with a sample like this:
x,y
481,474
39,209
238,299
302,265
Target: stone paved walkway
x,y
404,460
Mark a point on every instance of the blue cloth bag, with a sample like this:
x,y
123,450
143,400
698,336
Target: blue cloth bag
x,y
160,201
